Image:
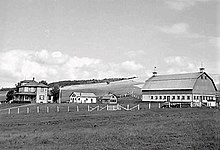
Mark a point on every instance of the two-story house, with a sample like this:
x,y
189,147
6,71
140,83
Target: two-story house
x,y
32,91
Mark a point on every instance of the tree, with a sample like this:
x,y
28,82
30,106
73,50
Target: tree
x,y
55,93
44,82
10,95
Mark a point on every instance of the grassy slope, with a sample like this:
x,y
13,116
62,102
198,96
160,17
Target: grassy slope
x,y
145,129
118,88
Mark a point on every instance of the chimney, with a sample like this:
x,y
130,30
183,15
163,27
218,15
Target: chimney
x,y
154,72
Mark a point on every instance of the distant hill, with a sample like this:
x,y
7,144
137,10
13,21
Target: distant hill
x,y
91,81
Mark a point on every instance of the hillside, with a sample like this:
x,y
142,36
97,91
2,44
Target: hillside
x,y
90,81
118,87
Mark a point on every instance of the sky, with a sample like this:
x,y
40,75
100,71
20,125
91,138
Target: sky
x,y
56,40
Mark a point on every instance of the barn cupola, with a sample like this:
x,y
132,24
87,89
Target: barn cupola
x,y
155,72
201,69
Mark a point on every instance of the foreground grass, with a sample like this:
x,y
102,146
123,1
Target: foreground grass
x,y
188,128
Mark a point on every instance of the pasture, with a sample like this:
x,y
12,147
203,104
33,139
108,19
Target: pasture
x,y
186,128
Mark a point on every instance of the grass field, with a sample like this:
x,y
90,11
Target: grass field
x,y
187,128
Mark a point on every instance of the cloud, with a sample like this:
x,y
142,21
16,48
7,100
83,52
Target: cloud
x,y
180,64
52,66
180,5
179,29
135,54
131,66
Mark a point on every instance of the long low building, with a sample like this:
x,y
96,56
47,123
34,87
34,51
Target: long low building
x,y
78,97
195,89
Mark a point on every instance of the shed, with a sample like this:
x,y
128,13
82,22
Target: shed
x,y
109,99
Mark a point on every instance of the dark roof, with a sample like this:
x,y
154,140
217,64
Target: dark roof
x,y
108,96
34,84
172,81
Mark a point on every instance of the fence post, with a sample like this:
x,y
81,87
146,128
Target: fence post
x,y
38,109
159,105
28,110
77,108
180,105
107,107
128,107
68,108
47,109
138,106
88,107
18,110
58,109
149,105
98,108
9,111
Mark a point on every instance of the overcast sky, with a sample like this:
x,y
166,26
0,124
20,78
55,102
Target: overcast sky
x,y
81,39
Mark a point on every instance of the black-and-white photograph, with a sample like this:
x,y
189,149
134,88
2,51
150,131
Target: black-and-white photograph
x,y
109,74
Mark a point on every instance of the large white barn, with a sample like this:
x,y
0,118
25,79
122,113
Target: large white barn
x,y
195,89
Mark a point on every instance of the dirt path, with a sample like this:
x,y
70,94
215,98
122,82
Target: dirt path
x,y
16,107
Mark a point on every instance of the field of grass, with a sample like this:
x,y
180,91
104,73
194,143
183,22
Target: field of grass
x,y
187,128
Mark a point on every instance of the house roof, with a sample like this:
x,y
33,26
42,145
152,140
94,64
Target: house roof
x,y
34,84
79,94
172,81
108,96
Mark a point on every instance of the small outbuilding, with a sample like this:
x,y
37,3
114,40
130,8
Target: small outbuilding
x,y
109,99
78,97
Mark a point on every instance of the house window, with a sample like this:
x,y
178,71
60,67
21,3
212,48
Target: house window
x,y
188,97
173,97
178,97
41,97
160,97
183,97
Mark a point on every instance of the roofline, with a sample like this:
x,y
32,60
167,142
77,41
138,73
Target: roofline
x,y
216,89
149,90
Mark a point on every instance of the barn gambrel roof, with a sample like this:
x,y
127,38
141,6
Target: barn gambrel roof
x,y
185,81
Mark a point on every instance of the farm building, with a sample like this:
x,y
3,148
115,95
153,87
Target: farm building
x,y
3,96
109,99
196,89
78,97
32,91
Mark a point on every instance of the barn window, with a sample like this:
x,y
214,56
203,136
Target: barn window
x,y
183,97
197,97
188,97
203,97
151,97
205,77
160,97
201,77
194,97
164,97
173,97
156,97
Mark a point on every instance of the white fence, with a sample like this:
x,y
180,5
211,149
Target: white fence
x,y
113,107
